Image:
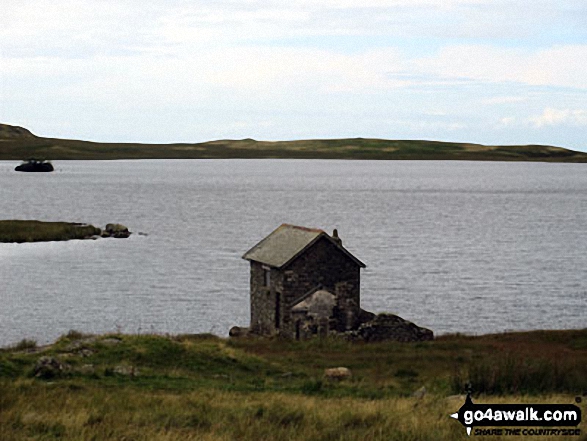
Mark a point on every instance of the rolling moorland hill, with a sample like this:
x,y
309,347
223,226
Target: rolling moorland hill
x,y
17,143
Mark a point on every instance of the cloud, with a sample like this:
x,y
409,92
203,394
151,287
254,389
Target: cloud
x,y
425,126
403,60
504,100
559,66
558,117
84,27
507,121
385,4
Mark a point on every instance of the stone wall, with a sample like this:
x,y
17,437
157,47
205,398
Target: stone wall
x,y
322,265
262,301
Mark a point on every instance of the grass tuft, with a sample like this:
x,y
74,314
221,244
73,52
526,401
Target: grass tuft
x,y
25,344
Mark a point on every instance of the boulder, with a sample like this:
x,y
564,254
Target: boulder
x,y
126,371
116,230
338,374
365,316
81,343
237,331
50,367
385,327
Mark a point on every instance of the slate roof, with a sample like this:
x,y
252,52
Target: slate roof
x,y
286,243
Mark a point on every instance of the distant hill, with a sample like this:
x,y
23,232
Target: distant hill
x,y
17,143
10,132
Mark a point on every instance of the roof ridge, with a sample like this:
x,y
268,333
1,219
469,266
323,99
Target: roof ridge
x,y
312,230
287,242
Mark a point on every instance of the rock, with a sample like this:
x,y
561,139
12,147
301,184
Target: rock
x,y
420,393
80,344
389,327
126,371
365,316
116,230
237,331
50,367
338,374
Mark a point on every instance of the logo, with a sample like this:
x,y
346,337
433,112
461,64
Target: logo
x,y
545,416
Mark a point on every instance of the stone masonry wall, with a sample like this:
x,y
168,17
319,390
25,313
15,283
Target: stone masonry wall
x,y
262,302
326,265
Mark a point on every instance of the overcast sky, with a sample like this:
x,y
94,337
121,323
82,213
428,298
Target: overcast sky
x,y
484,71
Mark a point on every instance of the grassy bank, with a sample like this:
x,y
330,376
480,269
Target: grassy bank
x,y
204,387
17,143
37,231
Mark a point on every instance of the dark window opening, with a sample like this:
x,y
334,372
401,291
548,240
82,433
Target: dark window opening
x,y
298,329
277,310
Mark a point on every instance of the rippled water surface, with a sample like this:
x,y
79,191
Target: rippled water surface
x,y
470,247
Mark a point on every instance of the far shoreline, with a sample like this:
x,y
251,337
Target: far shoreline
x,y
18,143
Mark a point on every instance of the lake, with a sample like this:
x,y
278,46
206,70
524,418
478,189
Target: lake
x,y
473,247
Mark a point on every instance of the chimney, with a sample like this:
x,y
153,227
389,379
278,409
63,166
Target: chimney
x,y
337,239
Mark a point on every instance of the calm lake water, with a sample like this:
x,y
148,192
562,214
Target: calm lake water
x,y
472,247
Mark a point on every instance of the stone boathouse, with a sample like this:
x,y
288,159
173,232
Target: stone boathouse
x,y
305,283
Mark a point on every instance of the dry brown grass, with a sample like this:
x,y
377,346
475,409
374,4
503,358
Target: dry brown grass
x,y
201,387
88,412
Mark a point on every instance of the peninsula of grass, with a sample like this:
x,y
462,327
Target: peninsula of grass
x,y
36,231
17,143
201,387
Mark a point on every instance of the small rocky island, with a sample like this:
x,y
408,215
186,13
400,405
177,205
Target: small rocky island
x,y
20,231
32,165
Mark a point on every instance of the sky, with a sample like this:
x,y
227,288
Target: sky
x,y
480,71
